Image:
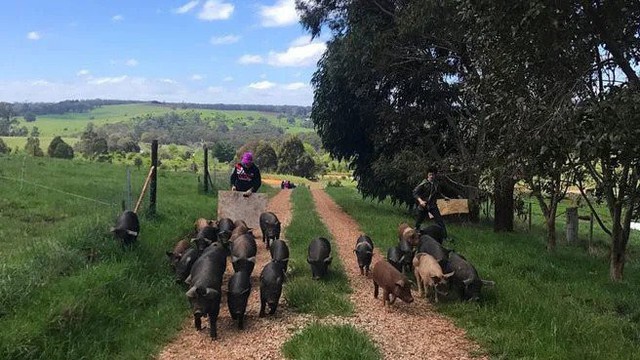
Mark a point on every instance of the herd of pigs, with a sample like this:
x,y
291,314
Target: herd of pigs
x,y
202,262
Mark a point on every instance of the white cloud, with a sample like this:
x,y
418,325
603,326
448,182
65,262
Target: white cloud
x,y
228,78
131,62
186,7
34,35
147,89
224,40
282,13
262,85
117,18
215,10
298,55
250,59
294,86
83,72
107,80
168,81
197,77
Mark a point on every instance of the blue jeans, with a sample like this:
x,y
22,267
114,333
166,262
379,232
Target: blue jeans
x,y
435,212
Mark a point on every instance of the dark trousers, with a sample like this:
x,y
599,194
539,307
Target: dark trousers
x,y
423,213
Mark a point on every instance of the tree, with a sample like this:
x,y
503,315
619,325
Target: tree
x,y
29,117
7,118
292,159
60,149
223,151
32,147
394,72
4,149
263,154
91,145
35,132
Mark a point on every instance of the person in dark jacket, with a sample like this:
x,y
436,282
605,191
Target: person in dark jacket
x,y
246,176
426,194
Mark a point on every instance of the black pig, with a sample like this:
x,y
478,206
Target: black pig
x,y
319,257
364,253
243,253
271,280
238,295
465,279
280,254
270,226
127,227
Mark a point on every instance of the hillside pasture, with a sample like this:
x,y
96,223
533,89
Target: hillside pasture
x,y
558,305
72,124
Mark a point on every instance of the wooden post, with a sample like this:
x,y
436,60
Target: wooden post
x,y
206,168
530,212
572,225
154,177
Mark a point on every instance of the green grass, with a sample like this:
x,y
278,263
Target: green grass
x,y
67,289
544,306
330,342
72,124
19,141
328,296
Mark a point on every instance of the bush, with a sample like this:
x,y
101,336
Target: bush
x,y
60,149
4,149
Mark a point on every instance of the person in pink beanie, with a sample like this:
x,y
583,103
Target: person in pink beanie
x,y
246,176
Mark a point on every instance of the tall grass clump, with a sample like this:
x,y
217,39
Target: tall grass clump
x,y
328,296
68,289
339,342
558,305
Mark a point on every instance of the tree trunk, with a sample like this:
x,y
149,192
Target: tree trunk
x,y
550,221
616,265
503,200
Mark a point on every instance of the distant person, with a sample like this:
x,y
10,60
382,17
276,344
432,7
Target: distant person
x,y
282,185
426,194
246,176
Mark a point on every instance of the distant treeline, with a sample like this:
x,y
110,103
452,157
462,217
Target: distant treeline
x,y
80,106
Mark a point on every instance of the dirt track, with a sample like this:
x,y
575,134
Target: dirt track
x,y
408,331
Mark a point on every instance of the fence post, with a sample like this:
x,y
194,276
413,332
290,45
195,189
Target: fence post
x,y
572,225
206,168
153,187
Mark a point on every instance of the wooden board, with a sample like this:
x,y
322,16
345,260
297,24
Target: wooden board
x,y
453,206
233,205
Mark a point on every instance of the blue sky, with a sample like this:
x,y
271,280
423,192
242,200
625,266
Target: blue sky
x,y
206,51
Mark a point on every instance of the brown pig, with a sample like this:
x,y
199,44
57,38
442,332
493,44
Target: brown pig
x,y
394,284
428,274
201,223
178,250
409,234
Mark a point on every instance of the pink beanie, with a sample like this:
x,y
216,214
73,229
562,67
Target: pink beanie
x,y
247,158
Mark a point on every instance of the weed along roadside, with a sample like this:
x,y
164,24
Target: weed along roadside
x,y
559,306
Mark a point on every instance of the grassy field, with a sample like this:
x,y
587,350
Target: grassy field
x,y
72,124
14,142
67,289
342,342
544,306
328,296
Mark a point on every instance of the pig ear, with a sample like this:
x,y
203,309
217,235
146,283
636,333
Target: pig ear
x,y
191,293
132,233
252,259
193,240
446,276
309,260
400,283
112,229
246,291
210,293
328,260
188,279
467,282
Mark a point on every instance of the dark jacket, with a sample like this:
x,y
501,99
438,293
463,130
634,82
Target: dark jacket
x,y
245,178
427,191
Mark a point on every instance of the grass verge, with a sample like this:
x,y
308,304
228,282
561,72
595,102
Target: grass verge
x,y
341,342
328,296
544,306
